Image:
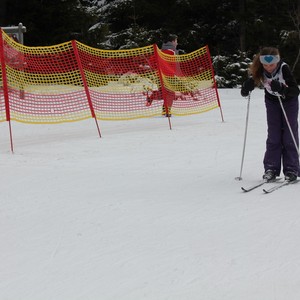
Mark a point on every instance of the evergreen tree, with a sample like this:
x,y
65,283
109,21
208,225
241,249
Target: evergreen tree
x,y
49,22
227,27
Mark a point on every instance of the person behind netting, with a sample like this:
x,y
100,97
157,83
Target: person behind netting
x,y
268,70
169,46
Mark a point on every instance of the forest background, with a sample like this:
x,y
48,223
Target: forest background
x,y
233,30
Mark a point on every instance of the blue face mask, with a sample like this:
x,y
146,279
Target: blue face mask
x,y
269,59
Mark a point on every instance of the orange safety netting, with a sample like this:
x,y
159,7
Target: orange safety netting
x,y
72,81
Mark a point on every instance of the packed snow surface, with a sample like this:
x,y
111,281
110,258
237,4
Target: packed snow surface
x,y
146,212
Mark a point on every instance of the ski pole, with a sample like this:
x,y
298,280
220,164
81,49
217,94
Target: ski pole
x,y
245,138
289,125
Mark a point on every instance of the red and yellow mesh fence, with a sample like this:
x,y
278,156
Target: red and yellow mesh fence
x,y
72,81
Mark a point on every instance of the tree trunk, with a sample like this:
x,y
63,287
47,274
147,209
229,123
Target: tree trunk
x,y
242,9
3,13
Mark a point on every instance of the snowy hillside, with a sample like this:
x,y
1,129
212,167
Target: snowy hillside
x,y
146,212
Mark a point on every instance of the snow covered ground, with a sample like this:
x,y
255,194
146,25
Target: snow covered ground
x,y
146,212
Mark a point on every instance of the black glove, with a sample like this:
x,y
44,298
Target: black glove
x,y
247,87
277,86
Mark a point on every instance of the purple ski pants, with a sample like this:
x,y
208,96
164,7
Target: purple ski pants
x,y
280,147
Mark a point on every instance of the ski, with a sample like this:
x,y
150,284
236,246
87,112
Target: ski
x,y
252,187
278,186
260,183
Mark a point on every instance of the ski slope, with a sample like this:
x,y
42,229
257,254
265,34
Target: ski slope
x,y
146,212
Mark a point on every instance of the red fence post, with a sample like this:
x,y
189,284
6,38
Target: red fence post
x,y
164,93
85,85
5,88
215,83
4,78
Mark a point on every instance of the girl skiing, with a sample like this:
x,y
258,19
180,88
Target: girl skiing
x,y
282,145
